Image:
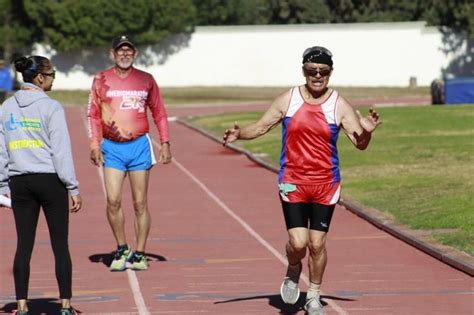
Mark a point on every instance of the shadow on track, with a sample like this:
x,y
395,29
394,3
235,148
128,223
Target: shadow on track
x,y
106,258
36,306
286,309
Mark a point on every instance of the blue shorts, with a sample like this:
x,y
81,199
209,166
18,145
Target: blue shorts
x,y
134,155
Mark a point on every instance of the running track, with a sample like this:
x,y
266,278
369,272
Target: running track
x,y
217,247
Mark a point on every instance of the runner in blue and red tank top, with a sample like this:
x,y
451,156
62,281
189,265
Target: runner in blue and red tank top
x,y
309,181
118,128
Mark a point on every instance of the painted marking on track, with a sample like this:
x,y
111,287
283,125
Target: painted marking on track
x,y
48,295
132,278
350,238
94,292
208,276
209,296
404,293
232,260
246,226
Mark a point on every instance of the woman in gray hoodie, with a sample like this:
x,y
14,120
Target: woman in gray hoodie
x,y
36,167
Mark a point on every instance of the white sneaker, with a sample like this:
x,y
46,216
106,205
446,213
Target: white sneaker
x,y
289,291
313,306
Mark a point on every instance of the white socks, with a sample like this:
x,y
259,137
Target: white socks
x,y
314,290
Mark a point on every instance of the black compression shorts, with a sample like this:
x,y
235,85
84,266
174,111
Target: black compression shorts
x,y
314,216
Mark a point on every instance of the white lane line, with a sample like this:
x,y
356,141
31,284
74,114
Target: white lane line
x,y
247,227
132,277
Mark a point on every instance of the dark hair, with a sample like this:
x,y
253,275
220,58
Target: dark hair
x,y
31,66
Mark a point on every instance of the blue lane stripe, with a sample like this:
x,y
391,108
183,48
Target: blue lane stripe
x,y
284,130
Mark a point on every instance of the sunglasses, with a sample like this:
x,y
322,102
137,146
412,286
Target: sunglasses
x,y
52,74
322,72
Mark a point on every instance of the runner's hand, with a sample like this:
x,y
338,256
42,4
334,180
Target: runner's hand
x,y
76,203
370,122
164,156
96,157
231,135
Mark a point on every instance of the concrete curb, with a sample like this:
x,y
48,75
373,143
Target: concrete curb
x,y
450,260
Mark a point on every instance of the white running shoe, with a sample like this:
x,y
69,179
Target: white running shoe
x,y
313,306
289,291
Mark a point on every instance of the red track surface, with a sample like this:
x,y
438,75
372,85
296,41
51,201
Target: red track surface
x,y
217,247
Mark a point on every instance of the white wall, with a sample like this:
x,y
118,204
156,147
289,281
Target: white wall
x,y
365,54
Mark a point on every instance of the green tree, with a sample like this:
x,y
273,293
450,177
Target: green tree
x,y
457,15
72,24
239,12
387,11
457,19
342,11
16,30
231,12
78,24
298,11
375,10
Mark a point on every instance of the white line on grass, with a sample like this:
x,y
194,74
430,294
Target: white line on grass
x,y
132,277
247,227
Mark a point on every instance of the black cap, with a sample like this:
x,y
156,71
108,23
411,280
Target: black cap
x,y
122,40
317,54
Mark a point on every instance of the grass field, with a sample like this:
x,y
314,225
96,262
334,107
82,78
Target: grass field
x,y
223,95
419,168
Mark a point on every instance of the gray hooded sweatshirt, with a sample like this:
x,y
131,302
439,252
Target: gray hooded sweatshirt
x,y
34,138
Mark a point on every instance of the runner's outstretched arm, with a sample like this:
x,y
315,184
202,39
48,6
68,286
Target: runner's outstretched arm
x,y
270,119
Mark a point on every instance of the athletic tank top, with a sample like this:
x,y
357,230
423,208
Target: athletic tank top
x,y
309,136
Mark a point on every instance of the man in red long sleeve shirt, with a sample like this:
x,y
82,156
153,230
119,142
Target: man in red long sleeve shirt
x,y
118,129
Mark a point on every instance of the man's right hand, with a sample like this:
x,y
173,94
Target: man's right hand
x,y
231,135
96,157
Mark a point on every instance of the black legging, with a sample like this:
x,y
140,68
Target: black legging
x,y
29,193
